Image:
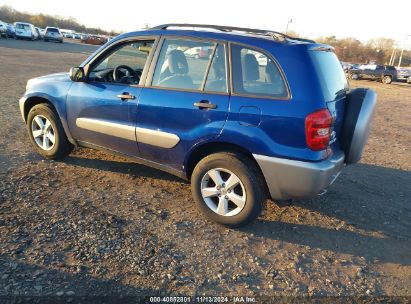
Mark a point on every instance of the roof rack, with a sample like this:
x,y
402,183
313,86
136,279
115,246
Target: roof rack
x,y
273,34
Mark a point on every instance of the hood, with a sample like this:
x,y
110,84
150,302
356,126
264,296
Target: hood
x,y
64,76
57,77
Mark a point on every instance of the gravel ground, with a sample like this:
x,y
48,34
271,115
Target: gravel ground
x,y
96,224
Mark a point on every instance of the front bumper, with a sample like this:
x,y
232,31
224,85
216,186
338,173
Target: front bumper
x,y
297,179
21,106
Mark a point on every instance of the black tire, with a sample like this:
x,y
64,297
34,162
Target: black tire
x,y
250,177
354,76
62,147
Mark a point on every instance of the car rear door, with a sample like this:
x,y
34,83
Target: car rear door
x,y
101,111
185,101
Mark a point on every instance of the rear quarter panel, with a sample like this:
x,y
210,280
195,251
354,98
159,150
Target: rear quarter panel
x,y
281,128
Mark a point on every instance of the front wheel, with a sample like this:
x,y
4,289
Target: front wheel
x,y
228,188
46,132
354,76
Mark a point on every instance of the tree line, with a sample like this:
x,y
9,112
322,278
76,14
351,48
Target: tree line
x,y
378,50
10,15
347,49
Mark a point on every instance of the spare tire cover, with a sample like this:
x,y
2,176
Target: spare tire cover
x,y
358,115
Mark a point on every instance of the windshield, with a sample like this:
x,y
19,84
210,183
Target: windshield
x,y
328,68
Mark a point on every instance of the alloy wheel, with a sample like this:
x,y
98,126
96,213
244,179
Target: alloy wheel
x,y
223,192
43,132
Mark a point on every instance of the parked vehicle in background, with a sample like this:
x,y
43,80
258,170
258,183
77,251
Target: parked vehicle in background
x,y
53,34
384,73
240,132
262,59
404,74
346,66
42,33
25,30
38,33
198,52
3,29
76,36
94,39
11,32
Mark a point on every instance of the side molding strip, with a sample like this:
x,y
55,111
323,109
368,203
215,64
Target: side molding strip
x,y
146,136
107,127
157,138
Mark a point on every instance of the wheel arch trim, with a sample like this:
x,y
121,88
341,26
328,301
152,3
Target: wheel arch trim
x,y
30,100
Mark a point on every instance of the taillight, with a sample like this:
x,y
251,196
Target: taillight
x,y
318,129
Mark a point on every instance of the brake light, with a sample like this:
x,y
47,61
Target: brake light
x,y
318,129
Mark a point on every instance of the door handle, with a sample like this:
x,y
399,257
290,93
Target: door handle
x,y
205,104
126,96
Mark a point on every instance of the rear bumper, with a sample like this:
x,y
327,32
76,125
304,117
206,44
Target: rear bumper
x,y
297,179
53,38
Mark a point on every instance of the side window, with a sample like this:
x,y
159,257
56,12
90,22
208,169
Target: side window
x,y
256,74
124,64
217,75
182,64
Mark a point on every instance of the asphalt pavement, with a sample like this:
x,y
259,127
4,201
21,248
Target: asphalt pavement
x,y
70,46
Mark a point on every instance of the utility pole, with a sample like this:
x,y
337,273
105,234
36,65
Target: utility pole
x,y
402,50
399,63
392,56
288,23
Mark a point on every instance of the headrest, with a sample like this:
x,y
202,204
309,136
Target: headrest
x,y
250,68
271,73
219,67
177,62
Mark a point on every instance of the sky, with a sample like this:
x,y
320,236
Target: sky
x,y
362,19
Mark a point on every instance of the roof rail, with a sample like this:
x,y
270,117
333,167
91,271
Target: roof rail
x,y
269,33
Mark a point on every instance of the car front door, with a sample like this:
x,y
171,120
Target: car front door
x,y
101,110
185,101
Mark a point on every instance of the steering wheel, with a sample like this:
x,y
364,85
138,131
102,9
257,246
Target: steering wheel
x,y
117,73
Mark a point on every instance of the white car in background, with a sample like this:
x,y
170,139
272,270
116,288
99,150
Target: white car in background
x,y
25,31
3,29
53,34
262,60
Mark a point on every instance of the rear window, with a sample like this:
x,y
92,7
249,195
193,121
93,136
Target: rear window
x,y
23,26
54,30
332,76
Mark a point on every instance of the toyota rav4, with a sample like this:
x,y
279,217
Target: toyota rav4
x,y
263,115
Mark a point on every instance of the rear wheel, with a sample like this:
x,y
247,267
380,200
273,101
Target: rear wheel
x,y
228,188
387,79
354,76
46,132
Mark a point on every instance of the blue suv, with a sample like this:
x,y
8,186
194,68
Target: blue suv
x,y
244,114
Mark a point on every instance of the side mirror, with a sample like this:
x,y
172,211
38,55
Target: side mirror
x,y
77,74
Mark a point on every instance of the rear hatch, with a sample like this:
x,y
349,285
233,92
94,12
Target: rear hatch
x,y
334,86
